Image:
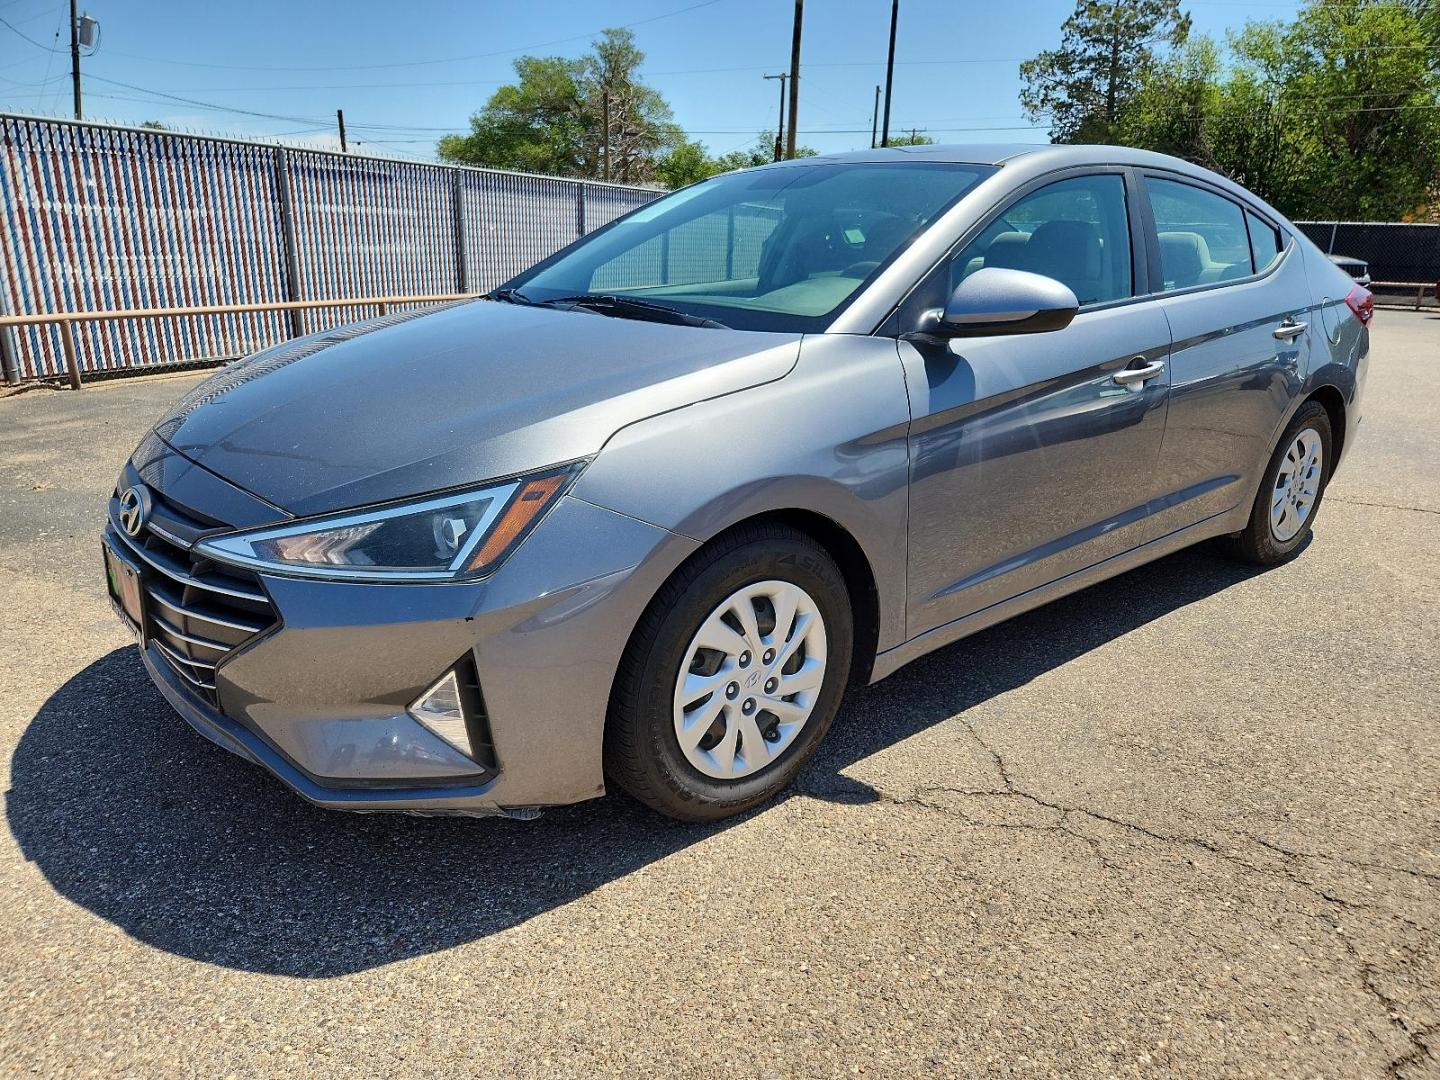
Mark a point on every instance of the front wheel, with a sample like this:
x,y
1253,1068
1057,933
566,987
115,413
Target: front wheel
x,y
732,676
1290,494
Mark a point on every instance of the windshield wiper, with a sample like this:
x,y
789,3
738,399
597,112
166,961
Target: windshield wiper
x,y
628,307
510,296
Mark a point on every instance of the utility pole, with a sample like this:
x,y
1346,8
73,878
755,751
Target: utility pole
x,y
605,143
794,79
780,130
890,71
83,31
75,58
875,118
340,118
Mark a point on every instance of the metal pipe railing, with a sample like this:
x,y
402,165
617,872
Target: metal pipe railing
x,y
68,319
1418,286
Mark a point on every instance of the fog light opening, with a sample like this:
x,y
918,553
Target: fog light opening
x,y
441,711
454,709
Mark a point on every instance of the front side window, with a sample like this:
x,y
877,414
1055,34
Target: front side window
x,y
769,249
1202,235
1075,231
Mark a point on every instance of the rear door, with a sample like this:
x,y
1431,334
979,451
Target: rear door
x,y
1029,460
1234,289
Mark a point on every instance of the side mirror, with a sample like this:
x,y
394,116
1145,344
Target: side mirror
x,y
994,300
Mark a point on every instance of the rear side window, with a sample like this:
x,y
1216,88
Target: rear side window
x,y
1264,241
1075,231
1202,235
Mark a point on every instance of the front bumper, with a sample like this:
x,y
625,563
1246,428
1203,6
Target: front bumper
x,y
319,699
246,743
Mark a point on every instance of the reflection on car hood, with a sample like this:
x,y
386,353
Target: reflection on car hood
x,y
477,390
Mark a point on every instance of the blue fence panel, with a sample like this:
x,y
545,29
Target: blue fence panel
x,y
96,217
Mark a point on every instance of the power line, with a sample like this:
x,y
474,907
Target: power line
x,y
27,37
501,82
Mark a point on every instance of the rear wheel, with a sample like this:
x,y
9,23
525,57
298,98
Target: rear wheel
x,y
1290,494
732,677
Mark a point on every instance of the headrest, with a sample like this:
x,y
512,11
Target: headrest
x,y
1183,257
1007,251
1068,251
884,235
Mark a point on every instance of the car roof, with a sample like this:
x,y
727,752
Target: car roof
x,y
1045,155
1029,160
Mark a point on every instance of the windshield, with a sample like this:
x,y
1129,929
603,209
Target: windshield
x,y
768,249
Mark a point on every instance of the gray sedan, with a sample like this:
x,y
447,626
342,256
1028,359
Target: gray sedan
x,y
644,513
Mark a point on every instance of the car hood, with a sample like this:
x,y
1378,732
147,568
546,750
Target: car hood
x,y
416,402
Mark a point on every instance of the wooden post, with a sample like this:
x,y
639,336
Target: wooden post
x,y
794,79
72,358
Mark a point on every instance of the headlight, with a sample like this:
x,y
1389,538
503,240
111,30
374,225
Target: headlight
x,y
442,538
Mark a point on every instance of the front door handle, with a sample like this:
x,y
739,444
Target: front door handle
x,y
1134,376
1289,330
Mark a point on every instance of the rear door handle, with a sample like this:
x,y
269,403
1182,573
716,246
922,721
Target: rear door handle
x,y
1289,330
1133,376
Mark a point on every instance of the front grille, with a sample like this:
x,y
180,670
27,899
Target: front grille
x,y
197,611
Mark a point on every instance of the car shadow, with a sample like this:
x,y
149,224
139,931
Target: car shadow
x,y
131,815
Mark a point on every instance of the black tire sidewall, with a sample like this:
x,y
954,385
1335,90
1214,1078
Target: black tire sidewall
x,y
1259,539
796,561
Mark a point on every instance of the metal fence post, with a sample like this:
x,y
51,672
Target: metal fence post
x,y
72,357
9,363
9,357
580,209
462,263
287,233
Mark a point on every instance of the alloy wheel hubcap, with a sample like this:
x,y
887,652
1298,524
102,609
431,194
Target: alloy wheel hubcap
x,y
1297,486
750,679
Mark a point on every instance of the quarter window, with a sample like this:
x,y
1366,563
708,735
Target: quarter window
x,y
1075,231
1202,235
1264,241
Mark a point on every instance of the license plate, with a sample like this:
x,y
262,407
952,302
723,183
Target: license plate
x,y
124,584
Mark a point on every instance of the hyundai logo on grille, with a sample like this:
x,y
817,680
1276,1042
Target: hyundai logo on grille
x,y
134,505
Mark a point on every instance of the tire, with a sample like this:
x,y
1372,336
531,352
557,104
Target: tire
x,y
766,567
1264,541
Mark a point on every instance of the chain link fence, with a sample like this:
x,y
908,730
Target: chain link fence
x,y
1400,252
98,217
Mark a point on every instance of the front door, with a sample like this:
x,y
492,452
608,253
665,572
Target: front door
x,y
1029,459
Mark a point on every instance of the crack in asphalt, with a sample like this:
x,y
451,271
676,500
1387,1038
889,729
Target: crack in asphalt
x,y
1382,506
1416,1035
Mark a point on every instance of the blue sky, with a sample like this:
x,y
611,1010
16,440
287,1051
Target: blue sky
x,y
406,72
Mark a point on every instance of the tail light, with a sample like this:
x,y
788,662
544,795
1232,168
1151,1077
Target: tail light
x,y
1362,303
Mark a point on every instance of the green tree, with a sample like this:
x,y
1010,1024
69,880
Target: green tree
x,y
1105,50
689,162
537,124
590,117
761,152
911,138
1358,89
1336,114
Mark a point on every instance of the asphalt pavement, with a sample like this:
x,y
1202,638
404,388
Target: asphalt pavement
x,y
1186,823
